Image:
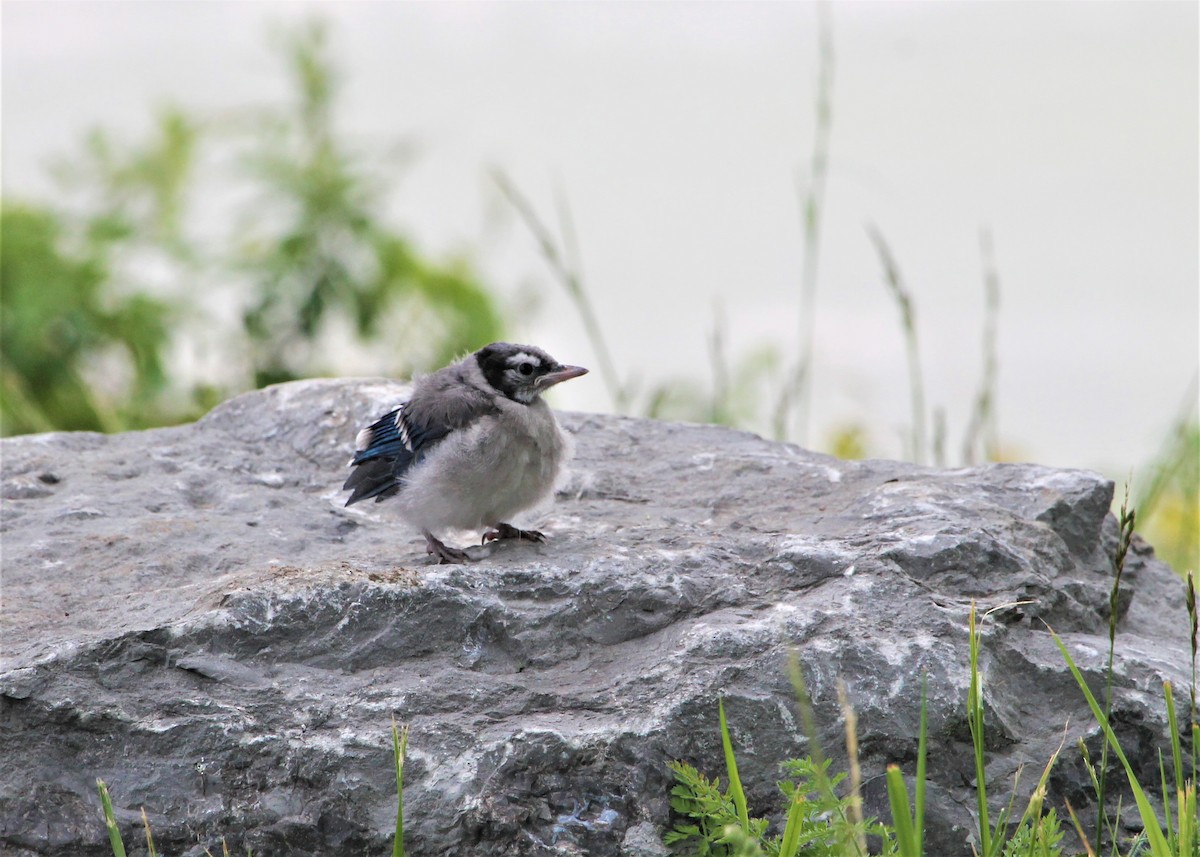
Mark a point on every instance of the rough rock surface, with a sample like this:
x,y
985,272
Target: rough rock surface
x,y
191,615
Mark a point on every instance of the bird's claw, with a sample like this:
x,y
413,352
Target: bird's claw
x,y
450,556
444,553
508,531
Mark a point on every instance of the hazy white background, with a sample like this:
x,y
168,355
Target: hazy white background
x,y
678,132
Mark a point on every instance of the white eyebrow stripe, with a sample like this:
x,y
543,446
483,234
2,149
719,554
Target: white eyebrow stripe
x,y
524,357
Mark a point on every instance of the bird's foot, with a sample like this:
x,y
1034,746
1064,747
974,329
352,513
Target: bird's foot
x,y
508,531
443,552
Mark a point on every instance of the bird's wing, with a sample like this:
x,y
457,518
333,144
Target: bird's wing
x,y
390,446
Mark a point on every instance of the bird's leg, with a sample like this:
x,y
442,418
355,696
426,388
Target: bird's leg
x,y
508,531
444,553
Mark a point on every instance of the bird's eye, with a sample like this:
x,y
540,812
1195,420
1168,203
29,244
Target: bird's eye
x,y
525,368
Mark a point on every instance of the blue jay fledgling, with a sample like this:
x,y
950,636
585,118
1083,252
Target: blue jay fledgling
x,y
474,445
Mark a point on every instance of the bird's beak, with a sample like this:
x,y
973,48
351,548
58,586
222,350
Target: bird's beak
x,y
562,373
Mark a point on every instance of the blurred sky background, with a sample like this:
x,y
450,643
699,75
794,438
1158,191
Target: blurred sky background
x,y
679,131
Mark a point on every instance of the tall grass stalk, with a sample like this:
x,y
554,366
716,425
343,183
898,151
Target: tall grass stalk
x,y
797,389
1194,620
1125,524
1162,775
150,849
1087,846
566,265
975,721
991,838
981,428
1177,756
908,322
399,748
855,770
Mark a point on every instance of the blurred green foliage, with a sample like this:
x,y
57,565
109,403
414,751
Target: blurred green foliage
x,y
150,245
1168,502
55,319
330,251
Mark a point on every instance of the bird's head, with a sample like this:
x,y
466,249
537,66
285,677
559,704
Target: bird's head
x,y
522,372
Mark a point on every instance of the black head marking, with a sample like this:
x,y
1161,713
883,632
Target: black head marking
x,y
513,369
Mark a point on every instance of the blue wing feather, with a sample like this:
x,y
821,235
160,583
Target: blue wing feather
x,y
394,443
386,438
442,403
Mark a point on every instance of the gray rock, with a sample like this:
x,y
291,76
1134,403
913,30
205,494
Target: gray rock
x,y
191,615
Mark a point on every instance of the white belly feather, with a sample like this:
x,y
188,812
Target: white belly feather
x,y
484,475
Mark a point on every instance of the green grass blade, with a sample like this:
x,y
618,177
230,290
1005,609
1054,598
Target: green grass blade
x,y
399,748
1125,523
1162,773
1154,834
1188,820
1195,751
975,721
1176,751
735,782
1194,623
907,841
110,821
790,844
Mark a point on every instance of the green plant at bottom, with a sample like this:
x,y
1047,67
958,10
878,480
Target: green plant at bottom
x,y
712,812
820,824
818,821
1040,839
